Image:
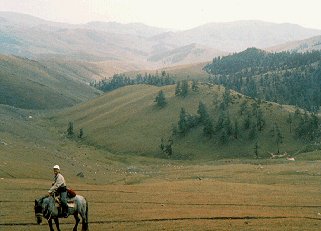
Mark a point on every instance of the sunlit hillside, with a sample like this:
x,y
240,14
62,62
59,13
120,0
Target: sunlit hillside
x,y
127,120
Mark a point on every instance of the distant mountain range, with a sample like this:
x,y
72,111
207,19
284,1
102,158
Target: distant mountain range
x,y
309,44
138,45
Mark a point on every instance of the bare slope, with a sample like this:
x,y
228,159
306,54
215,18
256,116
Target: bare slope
x,y
29,84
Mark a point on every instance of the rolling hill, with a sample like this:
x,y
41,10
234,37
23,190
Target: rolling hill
x,y
127,121
29,84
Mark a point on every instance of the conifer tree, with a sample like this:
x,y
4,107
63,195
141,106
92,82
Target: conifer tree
x,y
260,122
276,133
289,120
174,130
228,125
184,91
227,97
182,123
236,129
178,89
160,99
81,133
208,129
162,145
247,122
243,107
256,149
70,129
253,132
223,138
202,111
220,121
194,85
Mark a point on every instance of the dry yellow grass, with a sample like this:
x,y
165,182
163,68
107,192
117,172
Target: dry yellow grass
x,y
180,196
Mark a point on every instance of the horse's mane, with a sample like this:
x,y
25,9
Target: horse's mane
x,y
40,199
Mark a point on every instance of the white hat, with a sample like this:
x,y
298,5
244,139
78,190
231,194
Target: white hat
x,y
56,167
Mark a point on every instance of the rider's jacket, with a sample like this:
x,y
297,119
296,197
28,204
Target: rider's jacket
x,y
58,185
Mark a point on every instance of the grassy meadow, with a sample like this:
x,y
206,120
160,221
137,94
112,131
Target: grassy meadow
x,y
167,195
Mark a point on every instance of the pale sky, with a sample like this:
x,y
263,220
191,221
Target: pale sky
x,y
174,14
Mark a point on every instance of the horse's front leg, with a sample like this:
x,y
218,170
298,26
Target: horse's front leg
x,y
50,225
57,223
77,221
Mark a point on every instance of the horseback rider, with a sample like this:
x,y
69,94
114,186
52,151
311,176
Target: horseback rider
x,y
59,186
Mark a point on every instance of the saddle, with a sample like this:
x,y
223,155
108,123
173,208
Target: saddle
x,y
70,196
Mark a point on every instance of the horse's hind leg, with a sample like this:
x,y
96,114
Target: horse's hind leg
x,y
84,225
57,223
77,221
84,216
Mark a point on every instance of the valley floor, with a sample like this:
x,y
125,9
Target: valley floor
x,y
227,195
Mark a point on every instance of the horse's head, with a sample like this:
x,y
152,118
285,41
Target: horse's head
x,y
38,211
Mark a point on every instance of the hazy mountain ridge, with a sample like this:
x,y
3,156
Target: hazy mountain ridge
x,y
239,35
309,44
31,37
138,29
191,53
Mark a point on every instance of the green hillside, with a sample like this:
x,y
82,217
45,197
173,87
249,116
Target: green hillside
x,y
127,120
28,84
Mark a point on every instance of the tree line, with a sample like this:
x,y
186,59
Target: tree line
x,y
285,78
121,80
